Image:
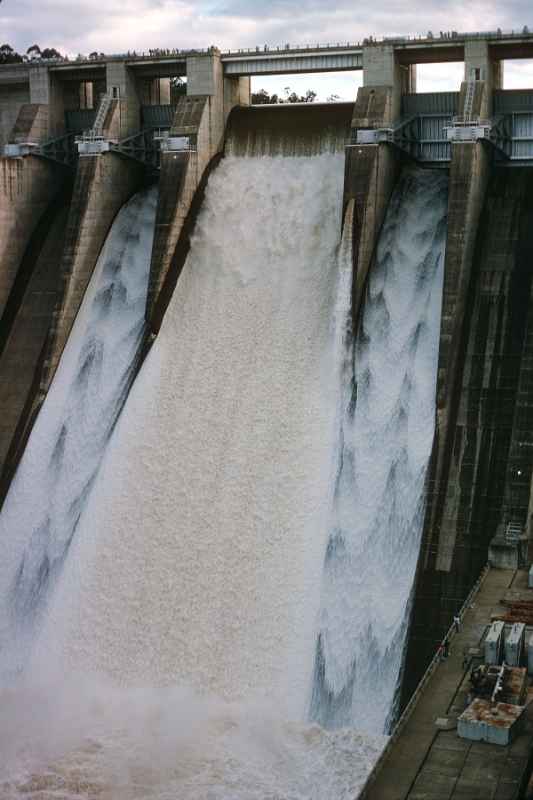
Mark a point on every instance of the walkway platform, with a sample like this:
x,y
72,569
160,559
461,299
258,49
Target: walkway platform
x,y
427,763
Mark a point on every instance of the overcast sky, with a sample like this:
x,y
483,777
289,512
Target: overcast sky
x,y
81,26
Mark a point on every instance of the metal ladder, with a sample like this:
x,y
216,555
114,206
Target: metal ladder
x,y
469,100
513,532
103,108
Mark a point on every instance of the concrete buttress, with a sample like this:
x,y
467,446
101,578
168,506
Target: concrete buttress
x,y
26,324
102,185
200,117
370,174
27,187
469,175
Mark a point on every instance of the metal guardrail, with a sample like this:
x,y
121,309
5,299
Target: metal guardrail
x,y
411,705
513,532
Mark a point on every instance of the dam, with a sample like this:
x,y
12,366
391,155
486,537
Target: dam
x,y
265,411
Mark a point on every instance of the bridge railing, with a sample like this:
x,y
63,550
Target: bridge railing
x,y
163,53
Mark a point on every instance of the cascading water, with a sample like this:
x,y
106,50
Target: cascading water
x,y
386,435
196,577
43,508
213,500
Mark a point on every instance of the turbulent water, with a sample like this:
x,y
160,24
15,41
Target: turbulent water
x,y
200,556
386,435
249,540
42,511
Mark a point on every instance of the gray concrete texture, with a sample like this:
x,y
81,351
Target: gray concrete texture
x,y
201,115
103,184
23,335
12,97
467,496
370,175
27,187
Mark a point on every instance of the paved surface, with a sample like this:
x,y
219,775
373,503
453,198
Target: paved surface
x,y
431,764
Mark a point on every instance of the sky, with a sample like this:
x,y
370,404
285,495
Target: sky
x,y
81,26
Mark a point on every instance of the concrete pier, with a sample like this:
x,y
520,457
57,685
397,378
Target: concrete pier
x,y
466,498
370,176
102,185
27,188
423,761
469,175
25,326
372,169
199,121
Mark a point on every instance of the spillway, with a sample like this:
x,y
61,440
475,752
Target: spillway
x,y
42,511
386,430
252,530
214,497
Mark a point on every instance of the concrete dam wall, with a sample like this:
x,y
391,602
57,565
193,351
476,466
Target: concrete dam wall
x,y
273,224
484,483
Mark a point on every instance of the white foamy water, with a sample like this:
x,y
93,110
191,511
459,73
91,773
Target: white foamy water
x,y
386,435
178,655
200,555
198,558
42,510
89,740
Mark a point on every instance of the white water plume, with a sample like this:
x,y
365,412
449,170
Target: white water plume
x,y
199,557
192,588
86,739
386,435
41,513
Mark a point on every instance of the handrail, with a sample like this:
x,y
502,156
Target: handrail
x,y
409,708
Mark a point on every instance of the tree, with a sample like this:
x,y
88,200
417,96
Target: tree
x,y
8,55
178,88
34,51
262,97
50,52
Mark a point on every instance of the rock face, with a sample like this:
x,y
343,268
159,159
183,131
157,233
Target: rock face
x,y
482,457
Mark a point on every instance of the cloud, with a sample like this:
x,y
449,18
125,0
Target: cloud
x,y
80,26
84,25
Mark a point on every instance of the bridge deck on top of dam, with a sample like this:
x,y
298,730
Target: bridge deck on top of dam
x,y
423,762
288,59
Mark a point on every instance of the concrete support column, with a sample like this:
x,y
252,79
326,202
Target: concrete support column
x,y
370,174
469,176
47,90
25,324
237,92
13,95
480,66
121,82
154,91
205,78
201,116
27,187
103,184
164,91
181,175
382,70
